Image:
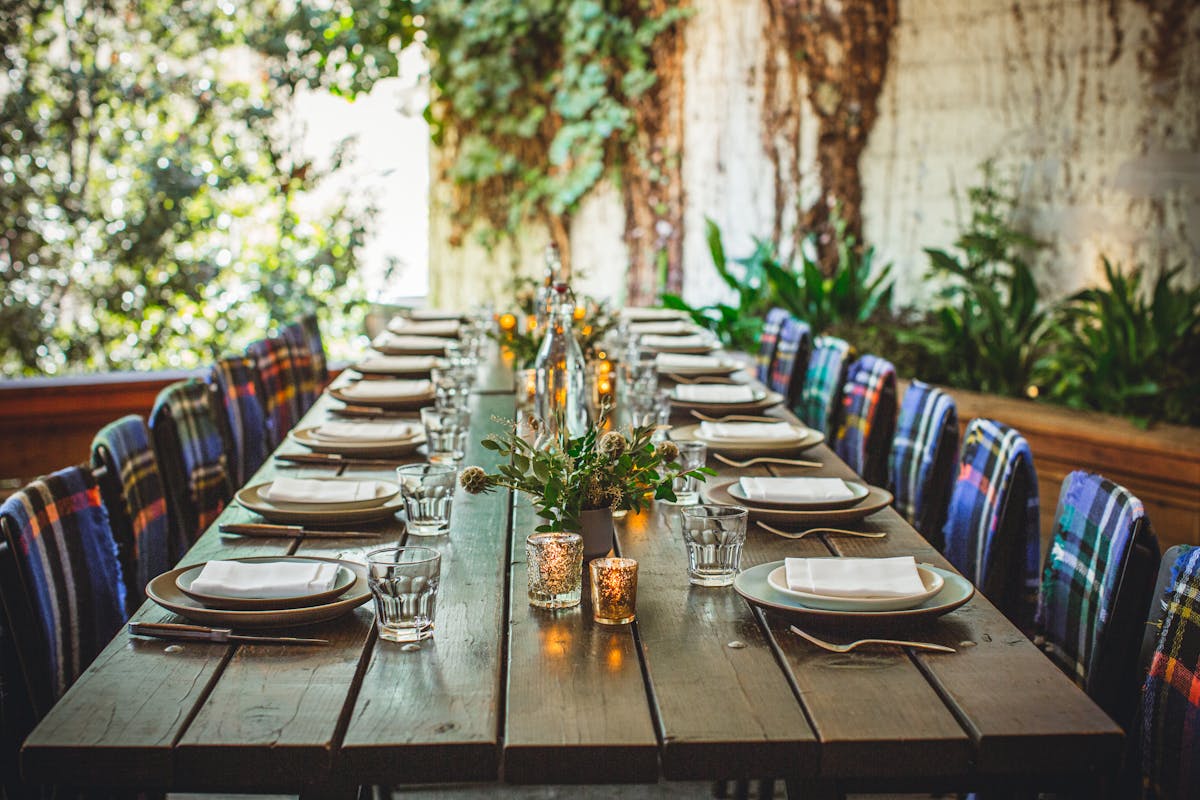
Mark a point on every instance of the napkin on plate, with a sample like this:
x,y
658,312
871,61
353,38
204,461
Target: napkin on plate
x,y
737,431
387,390
693,342
364,431
393,341
799,490
315,490
676,327
396,363
425,314
669,362
429,327
855,577
265,579
714,393
641,313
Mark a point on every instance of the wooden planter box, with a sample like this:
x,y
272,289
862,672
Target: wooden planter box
x,y
1161,465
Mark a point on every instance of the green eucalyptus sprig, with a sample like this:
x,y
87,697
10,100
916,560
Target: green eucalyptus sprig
x,y
566,476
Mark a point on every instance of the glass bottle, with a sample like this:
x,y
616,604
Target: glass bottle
x,y
546,295
560,369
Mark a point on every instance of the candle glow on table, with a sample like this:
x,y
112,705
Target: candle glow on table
x,y
614,590
554,566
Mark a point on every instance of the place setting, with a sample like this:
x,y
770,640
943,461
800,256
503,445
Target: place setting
x,y
362,438
668,327
695,343
387,394
722,398
390,343
635,314
327,501
853,590
395,366
690,365
406,326
254,593
800,500
738,438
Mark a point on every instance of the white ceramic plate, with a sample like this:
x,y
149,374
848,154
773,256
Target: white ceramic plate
x,y
397,402
248,497
805,438
344,580
777,578
390,491
764,399
391,447
858,491
397,366
876,500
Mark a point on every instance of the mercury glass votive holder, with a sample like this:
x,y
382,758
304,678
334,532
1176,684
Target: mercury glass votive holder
x,y
554,562
614,590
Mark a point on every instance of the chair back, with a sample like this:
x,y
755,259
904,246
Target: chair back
x,y
921,468
307,331
67,565
276,360
133,493
768,340
791,359
868,419
236,382
1096,588
820,399
1170,712
991,533
191,456
17,714
304,366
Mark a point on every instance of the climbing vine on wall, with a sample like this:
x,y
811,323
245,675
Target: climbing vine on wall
x,y
534,103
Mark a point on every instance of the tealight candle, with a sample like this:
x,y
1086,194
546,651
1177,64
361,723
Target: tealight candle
x,y
507,322
554,566
614,590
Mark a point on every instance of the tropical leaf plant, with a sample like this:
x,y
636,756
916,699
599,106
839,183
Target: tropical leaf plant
x,y
1125,350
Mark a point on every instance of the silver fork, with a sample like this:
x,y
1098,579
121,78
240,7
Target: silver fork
x,y
732,417
846,648
709,379
794,462
802,534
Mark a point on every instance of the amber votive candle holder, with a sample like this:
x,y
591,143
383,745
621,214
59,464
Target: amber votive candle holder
x,y
614,590
554,565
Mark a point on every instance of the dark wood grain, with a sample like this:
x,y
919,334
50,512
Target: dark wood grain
x,y
576,707
433,715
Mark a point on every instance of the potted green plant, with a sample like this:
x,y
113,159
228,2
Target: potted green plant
x,y
576,483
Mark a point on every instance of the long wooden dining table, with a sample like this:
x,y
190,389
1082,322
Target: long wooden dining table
x,y
703,686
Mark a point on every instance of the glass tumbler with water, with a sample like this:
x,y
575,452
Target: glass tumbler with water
x,y
692,455
428,490
714,536
404,582
445,434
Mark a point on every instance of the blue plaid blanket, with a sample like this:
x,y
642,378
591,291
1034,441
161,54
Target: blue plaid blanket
x,y
237,383
991,531
304,366
140,523
868,421
67,553
923,456
823,382
791,359
275,361
768,340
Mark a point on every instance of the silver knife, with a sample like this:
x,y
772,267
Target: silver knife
x,y
203,633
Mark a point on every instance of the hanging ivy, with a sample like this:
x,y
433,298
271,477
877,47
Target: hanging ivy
x,y
535,102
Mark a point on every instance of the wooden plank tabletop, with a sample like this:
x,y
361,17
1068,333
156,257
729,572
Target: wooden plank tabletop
x,y
701,686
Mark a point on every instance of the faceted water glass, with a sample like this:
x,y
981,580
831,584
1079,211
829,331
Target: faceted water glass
x,y
445,434
713,536
692,455
428,491
404,582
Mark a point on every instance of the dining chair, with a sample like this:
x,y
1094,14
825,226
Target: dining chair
x,y
16,706
191,456
991,532
791,359
921,467
1169,739
132,489
768,340
1096,586
306,331
820,398
235,379
65,598
868,418
304,366
276,360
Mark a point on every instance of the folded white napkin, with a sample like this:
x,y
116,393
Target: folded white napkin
x,y
736,431
315,490
364,431
783,490
676,327
424,314
855,577
396,363
392,341
669,362
387,390
714,393
265,579
426,327
693,342
635,313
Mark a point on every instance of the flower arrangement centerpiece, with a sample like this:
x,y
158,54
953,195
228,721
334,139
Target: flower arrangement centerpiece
x,y
518,332
569,478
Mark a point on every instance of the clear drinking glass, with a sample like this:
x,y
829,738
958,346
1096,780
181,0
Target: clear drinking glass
x,y
445,434
692,455
714,536
404,582
554,566
639,378
428,490
450,389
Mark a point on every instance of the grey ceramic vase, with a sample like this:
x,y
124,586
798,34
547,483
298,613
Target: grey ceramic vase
x,y
597,531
